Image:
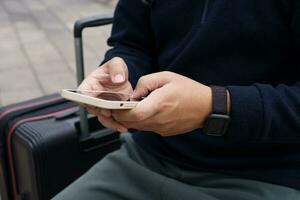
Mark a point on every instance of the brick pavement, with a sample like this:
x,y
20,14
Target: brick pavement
x,y
36,45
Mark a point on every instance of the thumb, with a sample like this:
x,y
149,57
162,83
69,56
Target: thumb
x,y
148,83
117,70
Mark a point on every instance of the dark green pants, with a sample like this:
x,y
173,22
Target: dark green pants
x,y
131,173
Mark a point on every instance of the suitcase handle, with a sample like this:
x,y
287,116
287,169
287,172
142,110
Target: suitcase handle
x,y
79,26
90,21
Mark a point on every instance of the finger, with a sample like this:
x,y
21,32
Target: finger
x,y
111,123
146,125
85,85
106,112
91,83
98,111
93,80
117,70
100,74
149,83
145,109
87,107
93,110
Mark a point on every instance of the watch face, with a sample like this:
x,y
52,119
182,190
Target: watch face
x,y
216,125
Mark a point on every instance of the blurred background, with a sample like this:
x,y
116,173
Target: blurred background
x,y
36,45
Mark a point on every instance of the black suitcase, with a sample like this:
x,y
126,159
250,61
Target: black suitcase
x,y
45,145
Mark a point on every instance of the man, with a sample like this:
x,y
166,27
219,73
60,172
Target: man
x,y
239,140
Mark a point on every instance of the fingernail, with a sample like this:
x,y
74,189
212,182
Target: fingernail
x,y
119,78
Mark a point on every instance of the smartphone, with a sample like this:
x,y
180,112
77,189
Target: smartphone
x,y
101,99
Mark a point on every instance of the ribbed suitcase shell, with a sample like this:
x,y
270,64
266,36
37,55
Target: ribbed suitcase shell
x,y
46,151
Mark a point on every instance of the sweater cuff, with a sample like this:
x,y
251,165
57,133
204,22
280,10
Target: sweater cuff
x,y
246,113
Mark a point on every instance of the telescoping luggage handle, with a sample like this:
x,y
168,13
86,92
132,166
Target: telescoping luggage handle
x,y
79,26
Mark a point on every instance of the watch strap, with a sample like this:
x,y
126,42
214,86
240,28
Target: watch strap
x,y
218,121
219,100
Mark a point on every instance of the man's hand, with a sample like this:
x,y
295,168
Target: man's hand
x,y
112,76
175,105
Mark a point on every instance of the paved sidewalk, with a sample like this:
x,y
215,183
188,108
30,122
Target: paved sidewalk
x,y
36,45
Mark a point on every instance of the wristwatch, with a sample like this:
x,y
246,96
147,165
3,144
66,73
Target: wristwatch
x,y
217,122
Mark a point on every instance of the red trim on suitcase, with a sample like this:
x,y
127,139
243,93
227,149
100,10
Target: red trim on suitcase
x,y
8,111
9,145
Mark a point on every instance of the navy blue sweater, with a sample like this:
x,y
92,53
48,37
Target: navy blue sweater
x,y
250,46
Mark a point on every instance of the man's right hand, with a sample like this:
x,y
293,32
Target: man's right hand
x,y
112,76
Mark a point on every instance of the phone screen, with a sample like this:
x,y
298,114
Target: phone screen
x,y
105,95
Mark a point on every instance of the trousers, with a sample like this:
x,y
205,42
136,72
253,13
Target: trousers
x,y
134,174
